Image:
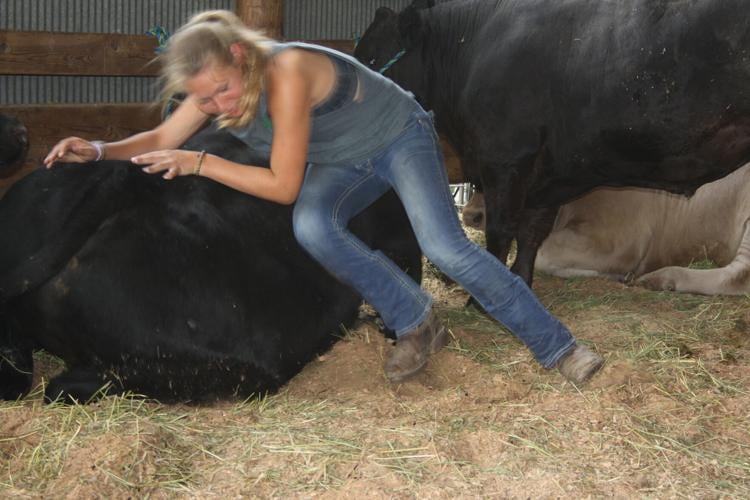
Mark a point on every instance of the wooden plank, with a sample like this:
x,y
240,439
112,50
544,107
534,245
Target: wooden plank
x,y
47,124
89,54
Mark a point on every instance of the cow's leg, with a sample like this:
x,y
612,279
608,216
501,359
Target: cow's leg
x,y
732,279
500,214
503,199
80,385
535,226
16,363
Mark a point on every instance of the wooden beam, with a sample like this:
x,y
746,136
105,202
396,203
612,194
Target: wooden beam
x,y
266,16
77,54
48,124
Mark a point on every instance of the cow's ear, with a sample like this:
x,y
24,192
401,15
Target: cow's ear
x,y
423,4
410,27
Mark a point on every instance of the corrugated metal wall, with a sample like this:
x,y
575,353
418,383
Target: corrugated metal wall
x,y
91,16
303,19
331,19
101,16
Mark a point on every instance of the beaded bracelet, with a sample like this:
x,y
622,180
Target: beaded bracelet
x,y
197,170
99,147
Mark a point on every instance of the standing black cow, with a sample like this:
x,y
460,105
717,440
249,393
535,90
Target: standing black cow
x,y
179,290
14,145
545,99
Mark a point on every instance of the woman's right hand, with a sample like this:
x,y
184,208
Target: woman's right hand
x,y
73,150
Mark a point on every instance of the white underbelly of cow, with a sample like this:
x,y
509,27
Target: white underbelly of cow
x,y
603,233
632,233
570,252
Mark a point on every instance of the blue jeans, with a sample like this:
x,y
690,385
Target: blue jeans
x,y
413,165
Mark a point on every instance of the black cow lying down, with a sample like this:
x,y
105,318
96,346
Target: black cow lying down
x,y
13,147
179,290
544,100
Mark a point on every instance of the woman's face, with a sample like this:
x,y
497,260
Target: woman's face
x,y
218,89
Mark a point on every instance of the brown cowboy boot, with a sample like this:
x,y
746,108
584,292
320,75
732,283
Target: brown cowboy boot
x,y
413,348
579,364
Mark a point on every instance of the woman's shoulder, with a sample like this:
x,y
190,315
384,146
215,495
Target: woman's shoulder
x,y
285,65
288,57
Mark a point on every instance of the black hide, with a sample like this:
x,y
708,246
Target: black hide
x,y
14,145
544,100
178,290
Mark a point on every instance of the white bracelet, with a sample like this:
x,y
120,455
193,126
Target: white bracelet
x,y
99,146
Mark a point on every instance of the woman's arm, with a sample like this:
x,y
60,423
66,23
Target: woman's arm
x,y
168,135
289,102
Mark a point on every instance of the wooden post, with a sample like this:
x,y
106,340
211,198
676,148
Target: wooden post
x,y
264,15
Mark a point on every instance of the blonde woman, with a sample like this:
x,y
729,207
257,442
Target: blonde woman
x,y
338,136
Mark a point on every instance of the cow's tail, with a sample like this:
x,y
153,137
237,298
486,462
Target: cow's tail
x,y
49,217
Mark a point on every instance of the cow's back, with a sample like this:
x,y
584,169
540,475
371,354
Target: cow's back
x,y
182,289
619,93
544,101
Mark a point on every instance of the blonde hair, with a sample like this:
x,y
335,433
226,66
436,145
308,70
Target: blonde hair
x,y
206,39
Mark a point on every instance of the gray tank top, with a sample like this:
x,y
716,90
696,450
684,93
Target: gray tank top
x,y
351,133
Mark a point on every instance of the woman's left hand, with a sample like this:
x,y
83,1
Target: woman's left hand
x,y
173,162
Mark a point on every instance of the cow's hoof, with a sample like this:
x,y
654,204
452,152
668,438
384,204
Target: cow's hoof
x,y
656,282
79,386
628,279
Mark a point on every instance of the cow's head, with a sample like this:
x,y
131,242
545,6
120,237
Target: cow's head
x,y
14,145
389,34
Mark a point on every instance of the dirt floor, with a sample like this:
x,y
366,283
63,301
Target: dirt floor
x,y
668,417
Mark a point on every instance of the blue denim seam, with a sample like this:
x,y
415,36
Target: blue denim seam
x,y
411,122
445,197
415,121
374,256
553,360
419,320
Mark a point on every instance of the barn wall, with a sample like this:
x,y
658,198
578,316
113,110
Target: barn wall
x,y
331,19
303,19
28,95
90,16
